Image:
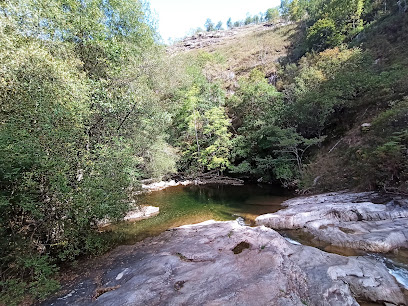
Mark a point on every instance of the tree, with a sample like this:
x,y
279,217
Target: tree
x,y
216,153
202,129
272,14
218,27
285,9
89,125
229,23
248,20
297,10
209,25
255,19
323,34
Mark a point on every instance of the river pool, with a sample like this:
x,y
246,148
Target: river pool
x,y
183,205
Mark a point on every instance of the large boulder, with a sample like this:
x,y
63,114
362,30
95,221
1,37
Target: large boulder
x,y
345,219
224,263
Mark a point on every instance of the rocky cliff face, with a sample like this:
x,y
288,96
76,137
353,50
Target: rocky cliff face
x,y
224,263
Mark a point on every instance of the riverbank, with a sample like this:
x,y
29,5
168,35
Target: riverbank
x,y
204,179
182,264
367,221
224,263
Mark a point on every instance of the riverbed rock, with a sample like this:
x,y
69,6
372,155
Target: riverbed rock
x,y
224,263
346,219
164,184
141,212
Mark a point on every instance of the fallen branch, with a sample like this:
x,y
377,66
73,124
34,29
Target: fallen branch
x,y
335,145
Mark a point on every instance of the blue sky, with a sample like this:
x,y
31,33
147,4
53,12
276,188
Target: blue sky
x,y
177,17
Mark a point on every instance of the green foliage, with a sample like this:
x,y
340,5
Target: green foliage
x,y
229,23
13,290
218,26
297,10
323,85
337,89
330,22
90,105
272,14
248,20
323,34
209,25
256,19
216,153
82,119
285,9
201,127
262,147
386,157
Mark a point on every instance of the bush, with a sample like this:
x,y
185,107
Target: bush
x,y
79,122
323,34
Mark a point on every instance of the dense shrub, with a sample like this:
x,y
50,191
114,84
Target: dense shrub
x,y
81,121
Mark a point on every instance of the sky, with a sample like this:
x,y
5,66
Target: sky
x,y
177,17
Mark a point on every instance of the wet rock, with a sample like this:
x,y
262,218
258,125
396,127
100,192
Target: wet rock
x,y
194,265
348,220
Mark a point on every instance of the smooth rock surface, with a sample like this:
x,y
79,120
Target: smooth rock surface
x,y
164,184
224,263
348,220
142,212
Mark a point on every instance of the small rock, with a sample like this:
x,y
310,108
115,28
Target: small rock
x,y
365,127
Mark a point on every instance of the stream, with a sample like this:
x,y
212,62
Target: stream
x,y
183,205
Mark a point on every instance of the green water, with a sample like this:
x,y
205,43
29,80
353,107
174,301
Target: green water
x,y
183,205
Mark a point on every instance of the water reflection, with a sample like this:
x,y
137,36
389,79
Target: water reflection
x,y
248,201
183,205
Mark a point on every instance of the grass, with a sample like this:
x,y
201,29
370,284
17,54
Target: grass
x,y
257,48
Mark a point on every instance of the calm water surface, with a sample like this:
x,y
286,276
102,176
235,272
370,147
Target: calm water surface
x,y
183,205
193,204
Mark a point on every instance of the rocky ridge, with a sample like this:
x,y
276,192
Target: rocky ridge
x,y
203,40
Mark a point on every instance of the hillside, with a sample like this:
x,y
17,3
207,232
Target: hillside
x,y
338,99
240,50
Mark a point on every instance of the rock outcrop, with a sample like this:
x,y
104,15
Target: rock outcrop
x,y
348,220
141,212
206,39
224,263
165,184
203,179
